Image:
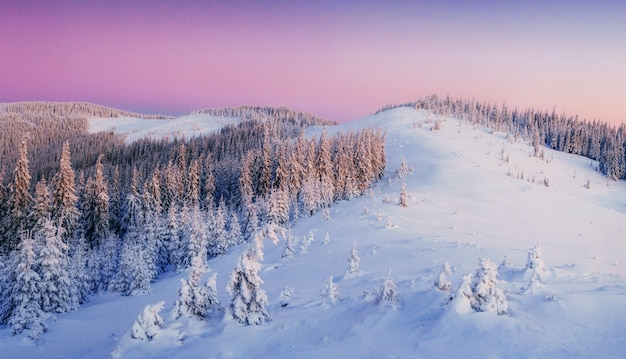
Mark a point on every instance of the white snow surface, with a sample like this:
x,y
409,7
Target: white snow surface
x,y
187,126
463,207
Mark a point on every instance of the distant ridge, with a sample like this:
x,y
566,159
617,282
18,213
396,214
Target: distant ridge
x,y
247,112
86,109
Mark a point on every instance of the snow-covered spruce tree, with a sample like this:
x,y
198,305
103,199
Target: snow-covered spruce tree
x,y
195,299
329,293
133,276
462,300
64,204
115,203
354,262
404,170
152,216
535,264
172,246
251,220
217,236
387,293
148,323
289,250
198,241
79,275
95,208
404,196
55,287
235,235
248,298
192,192
42,207
309,196
19,203
324,167
103,263
442,282
277,208
134,218
25,302
486,296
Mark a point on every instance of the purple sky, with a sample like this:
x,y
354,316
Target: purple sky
x,y
341,61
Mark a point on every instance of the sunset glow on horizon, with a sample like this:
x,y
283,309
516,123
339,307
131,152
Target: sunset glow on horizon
x,y
341,60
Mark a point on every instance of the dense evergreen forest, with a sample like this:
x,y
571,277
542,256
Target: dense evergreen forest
x,y
593,139
86,212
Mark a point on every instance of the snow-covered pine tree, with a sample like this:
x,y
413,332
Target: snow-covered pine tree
x,y
217,240
442,282
329,293
19,203
264,182
387,293
289,250
55,287
208,183
281,177
354,262
309,196
172,248
192,193
134,218
535,264
152,209
404,196
115,204
342,162
195,299
25,310
248,298
42,207
95,208
197,245
464,297
133,276
486,296
277,208
245,181
324,167
306,241
65,200
105,260
234,236
78,270
404,170
148,323
251,221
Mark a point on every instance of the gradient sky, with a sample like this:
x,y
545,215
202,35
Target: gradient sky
x,y
340,60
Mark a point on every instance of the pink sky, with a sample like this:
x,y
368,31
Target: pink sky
x,y
338,61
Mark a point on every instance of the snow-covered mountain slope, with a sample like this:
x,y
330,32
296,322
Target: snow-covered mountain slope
x,y
467,200
185,126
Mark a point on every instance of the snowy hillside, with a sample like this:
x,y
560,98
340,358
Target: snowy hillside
x,y
471,194
185,126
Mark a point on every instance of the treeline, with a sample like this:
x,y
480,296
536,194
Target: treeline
x,y
593,139
141,209
47,125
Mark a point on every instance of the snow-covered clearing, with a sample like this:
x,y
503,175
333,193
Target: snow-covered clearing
x,y
467,201
183,127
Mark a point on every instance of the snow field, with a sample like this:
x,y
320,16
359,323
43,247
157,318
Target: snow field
x,y
136,128
463,206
